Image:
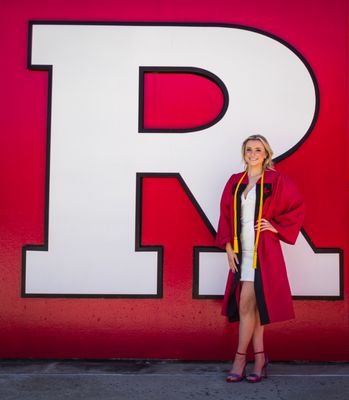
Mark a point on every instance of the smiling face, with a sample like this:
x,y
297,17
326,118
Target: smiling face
x,y
254,154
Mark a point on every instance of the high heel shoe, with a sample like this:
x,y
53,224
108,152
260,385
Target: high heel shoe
x,y
233,377
254,378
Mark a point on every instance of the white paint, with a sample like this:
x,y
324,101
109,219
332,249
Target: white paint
x,y
213,273
96,150
309,274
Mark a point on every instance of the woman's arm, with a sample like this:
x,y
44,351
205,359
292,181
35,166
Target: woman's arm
x,y
232,257
288,212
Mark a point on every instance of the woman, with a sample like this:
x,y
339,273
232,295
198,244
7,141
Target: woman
x,y
259,207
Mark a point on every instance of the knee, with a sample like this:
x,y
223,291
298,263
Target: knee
x,y
247,307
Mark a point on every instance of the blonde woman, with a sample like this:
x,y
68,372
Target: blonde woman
x,y
259,207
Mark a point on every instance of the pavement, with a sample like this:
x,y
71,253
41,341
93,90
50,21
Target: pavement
x,y
167,380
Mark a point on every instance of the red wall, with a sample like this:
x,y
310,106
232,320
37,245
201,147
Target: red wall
x,y
176,326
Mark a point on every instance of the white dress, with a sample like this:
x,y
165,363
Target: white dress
x,y
247,235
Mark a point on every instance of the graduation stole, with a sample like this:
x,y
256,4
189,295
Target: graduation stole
x,y
236,242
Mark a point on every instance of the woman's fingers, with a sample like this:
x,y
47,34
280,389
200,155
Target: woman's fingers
x,y
265,225
233,261
236,258
232,265
234,268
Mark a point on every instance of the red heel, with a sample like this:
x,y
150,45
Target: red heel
x,y
233,377
254,378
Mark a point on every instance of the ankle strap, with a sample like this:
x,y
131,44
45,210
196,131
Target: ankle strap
x,y
241,354
259,352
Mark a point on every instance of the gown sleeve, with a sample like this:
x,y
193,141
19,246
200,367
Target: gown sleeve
x,y
289,210
224,231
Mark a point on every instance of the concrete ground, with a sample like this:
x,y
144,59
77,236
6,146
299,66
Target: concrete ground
x,y
168,380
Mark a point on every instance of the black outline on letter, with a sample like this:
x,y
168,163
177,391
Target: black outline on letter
x,y
180,70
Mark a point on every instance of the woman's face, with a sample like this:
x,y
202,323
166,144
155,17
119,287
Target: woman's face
x,y
255,153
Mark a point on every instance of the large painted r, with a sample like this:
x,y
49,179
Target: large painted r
x,y
96,149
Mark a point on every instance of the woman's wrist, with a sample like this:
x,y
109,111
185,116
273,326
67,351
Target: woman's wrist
x,y
228,248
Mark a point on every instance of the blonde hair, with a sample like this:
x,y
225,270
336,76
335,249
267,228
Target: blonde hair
x,y
268,162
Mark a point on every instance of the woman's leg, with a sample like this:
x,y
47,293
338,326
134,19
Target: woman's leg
x,y
247,311
258,344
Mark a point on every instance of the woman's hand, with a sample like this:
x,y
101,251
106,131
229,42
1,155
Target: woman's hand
x,y
266,226
232,258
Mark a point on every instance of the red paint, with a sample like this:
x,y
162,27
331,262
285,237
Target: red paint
x,y
180,100
175,326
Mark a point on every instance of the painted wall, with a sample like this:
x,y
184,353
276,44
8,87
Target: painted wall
x,y
169,210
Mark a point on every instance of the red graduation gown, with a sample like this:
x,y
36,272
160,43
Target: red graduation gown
x,y
283,207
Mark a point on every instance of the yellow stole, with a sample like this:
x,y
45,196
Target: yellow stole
x,y
236,242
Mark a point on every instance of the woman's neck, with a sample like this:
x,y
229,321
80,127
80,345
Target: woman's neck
x,y
254,171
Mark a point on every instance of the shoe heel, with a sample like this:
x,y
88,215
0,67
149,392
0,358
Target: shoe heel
x,y
265,373
265,367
